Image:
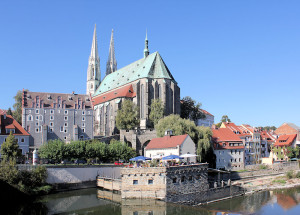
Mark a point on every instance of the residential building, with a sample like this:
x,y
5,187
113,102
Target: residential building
x,y
267,141
50,116
282,143
229,149
141,81
251,139
171,145
289,128
9,124
208,121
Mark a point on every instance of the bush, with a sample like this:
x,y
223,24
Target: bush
x,y
9,172
290,174
280,181
262,166
298,175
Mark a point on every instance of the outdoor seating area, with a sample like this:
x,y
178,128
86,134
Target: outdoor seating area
x,y
160,161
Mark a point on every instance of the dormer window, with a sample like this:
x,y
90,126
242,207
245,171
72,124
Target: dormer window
x,y
70,98
48,97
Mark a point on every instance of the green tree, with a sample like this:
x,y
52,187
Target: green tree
x,y
118,150
10,148
9,112
199,134
289,152
127,116
17,114
190,109
157,111
224,118
76,150
53,150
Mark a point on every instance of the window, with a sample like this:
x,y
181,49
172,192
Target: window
x,y
51,130
83,124
190,178
51,111
51,124
83,112
66,130
174,180
22,140
135,182
66,124
81,137
65,138
239,159
61,128
150,181
66,118
51,117
83,130
37,123
182,179
29,118
36,117
83,118
36,130
37,111
66,112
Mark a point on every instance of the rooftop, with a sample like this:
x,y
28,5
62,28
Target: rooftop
x,y
166,142
285,140
9,122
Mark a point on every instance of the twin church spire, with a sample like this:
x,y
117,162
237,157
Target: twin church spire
x,y
93,71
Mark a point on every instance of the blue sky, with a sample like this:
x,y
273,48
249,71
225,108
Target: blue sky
x,y
239,58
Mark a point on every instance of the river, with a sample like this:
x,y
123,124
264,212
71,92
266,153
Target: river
x,y
96,201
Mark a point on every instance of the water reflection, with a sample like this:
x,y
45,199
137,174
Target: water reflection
x,y
96,201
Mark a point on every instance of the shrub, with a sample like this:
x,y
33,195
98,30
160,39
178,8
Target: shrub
x,y
290,174
262,166
298,175
280,181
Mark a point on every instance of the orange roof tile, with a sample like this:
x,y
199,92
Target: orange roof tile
x,y
206,112
166,142
285,140
221,136
126,91
11,123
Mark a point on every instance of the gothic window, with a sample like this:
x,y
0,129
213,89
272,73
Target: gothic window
x,y
159,91
91,86
142,102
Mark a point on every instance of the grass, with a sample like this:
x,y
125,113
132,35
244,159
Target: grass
x,y
279,181
242,170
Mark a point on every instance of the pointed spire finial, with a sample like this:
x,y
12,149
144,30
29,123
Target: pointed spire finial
x,y
146,50
111,65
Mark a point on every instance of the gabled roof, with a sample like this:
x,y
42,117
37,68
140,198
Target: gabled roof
x,y
239,130
293,125
224,134
126,91
152,66
2,111
166,142
206,112
285,140
11,123
266,135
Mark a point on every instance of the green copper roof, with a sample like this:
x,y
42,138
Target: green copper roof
x,y
152,66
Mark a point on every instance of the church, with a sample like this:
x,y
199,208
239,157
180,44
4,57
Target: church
x,y
141,81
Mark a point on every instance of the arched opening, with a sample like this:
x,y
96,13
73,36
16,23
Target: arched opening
x,y
144,146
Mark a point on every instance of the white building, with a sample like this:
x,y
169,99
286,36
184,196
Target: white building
x,y
171,145
208,121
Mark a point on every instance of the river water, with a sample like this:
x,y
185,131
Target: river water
x,y
96,201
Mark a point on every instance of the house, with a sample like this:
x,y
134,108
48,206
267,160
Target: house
x,y
251,139
9,124
208,121
171,145
267,141
229,149
289,128
50,116
280,149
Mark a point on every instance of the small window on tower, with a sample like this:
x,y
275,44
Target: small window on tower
x,y
91,86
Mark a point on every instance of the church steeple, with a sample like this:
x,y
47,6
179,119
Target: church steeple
x,y
111,65
93,71
146,50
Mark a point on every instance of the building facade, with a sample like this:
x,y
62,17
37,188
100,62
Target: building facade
x,y
208,121
229,149
171,145
142,81
50,116
9,124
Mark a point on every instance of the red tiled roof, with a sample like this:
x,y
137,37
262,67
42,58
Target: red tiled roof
x,y
222,136
206,112
11,123
239,130
126,91
267,136
285,140
166,142
2,111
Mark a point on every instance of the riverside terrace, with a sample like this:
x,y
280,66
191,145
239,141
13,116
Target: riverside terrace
x,y
186,184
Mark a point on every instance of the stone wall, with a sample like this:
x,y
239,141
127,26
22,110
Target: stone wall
x,y
138,138
144,182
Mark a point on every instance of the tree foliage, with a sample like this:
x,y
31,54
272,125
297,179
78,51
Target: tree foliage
x,y
157,111
190,109
127,116
199,134
267,128
10,148
85,150
9,112
17,114
224,118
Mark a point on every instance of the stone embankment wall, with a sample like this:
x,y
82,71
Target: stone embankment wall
x,y
80,174
109,184
144,182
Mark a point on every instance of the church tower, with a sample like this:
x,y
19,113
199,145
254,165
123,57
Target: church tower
x,y
111,65
93,71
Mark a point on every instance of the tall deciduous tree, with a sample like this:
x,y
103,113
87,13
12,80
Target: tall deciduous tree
x,y
157,111
9,112
127,116
190,109
17,114
10,148
224,118
199,134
